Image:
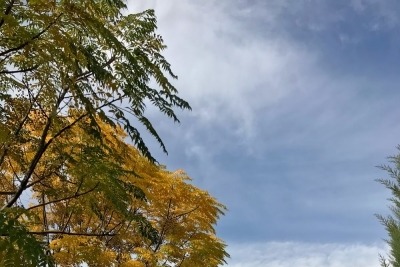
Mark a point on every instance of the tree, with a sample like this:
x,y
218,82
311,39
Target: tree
x,y
392,222
100,201
73,75
84,55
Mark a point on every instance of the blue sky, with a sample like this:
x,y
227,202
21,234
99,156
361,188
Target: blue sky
x,y
294,104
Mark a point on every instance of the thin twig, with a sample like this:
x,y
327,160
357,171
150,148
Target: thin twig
x,y
63,199
32,39
68,233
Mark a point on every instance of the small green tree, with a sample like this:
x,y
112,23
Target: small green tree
x,y
392,222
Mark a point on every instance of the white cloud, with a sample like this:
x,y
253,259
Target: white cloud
x,y
235,61
227,72
289,254
249,81
244,75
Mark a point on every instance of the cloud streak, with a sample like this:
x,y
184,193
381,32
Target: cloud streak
x,y
290,254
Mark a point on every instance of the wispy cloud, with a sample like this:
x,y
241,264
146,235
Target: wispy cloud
x,y
228,73
289,119
384,13
290,254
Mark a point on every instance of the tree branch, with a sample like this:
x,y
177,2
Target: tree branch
x,y
67,233
40,179
8,11
76,195
18,71
32,38
164,227
183,258
21,124
88,73
43,145
80,118
56,232
39,153
19,128
185,213
5,193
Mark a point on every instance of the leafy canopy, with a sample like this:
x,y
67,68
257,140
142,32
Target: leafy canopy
x,y
74,79
101,202
57,56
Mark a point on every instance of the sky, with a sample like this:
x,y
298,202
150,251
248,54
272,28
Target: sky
x,y
294,103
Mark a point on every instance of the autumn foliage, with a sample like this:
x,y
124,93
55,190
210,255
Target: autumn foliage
x,y
78,184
